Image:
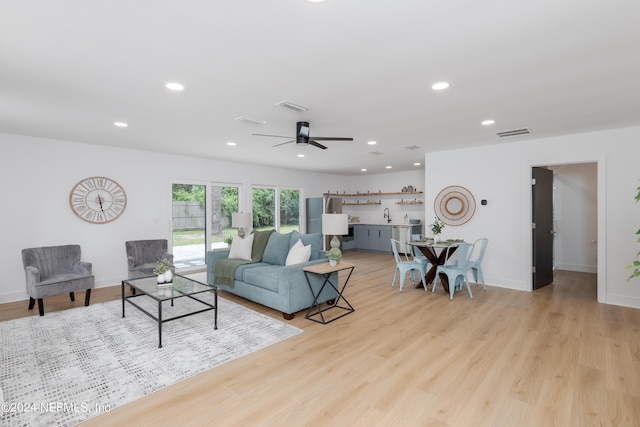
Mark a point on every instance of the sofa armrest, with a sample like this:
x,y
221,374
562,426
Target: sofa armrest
x,y
81,267
211,258
130,262
32,275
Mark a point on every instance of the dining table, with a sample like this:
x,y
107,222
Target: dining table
x,y
437,253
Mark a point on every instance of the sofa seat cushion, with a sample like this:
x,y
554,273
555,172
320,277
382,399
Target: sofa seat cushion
x,y
265,276
239,275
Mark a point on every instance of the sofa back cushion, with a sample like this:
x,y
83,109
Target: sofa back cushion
x,y
277,249
313,239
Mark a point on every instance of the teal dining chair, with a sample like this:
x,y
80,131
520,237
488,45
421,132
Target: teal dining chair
x,y
456,271
475,260
406,265
418,256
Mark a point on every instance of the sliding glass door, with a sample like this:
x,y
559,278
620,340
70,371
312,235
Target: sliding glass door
x,y
189,212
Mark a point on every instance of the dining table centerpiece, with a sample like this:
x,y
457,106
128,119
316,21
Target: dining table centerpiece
x,y
436,228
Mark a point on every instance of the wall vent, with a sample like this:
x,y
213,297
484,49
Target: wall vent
x,y
292,106
375,153
514,132
412,147
250,120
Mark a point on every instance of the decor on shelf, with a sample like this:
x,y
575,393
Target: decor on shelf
x,y
335,225
454,205
437,228
163,271
241,221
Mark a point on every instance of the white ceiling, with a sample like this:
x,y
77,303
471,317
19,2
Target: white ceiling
x,y
70,68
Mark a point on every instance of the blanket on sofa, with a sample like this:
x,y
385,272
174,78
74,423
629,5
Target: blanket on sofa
x,y
225,269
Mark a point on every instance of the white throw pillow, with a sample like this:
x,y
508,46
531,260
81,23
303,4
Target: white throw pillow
x,y
241,248
298,253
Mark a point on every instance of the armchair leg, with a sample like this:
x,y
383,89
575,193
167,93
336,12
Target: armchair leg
x,y
40,307
72,296
87,297
32,303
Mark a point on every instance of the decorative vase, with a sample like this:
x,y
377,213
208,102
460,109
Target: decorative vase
x,y
168,276
333,262
436,238
160,278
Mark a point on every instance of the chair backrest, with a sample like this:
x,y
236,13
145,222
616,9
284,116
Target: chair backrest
x,y
464,252
416,237
479,247
51,260
395,244
146,251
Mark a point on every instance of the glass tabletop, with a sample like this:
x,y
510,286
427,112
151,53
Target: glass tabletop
x,y
180,287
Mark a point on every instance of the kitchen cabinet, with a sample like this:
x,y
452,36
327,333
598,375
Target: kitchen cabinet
x,y
373,237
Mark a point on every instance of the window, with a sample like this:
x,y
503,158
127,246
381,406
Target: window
x,y
188,224
263,203
289,202
224,202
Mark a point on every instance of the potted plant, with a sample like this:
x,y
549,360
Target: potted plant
x,y
163,270
334,256
635,265
436,228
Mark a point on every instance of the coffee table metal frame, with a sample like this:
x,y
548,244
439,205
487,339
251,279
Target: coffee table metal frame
x,y
181,287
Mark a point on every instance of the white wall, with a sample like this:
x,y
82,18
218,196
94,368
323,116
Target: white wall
x,y
38,174
576,218
501,173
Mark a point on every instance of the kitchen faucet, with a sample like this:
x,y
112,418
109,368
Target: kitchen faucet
x,y
386,215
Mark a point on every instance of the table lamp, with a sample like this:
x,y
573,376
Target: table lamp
x,y
335,225
241,220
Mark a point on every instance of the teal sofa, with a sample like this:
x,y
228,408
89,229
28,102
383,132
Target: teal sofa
x,y
270,283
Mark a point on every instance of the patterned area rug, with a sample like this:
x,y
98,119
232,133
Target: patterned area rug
x,y
72,365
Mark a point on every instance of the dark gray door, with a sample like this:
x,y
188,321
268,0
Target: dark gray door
x,y
542,227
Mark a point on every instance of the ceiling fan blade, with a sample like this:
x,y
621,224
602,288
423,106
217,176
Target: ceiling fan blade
x,y
274,136
329,138
282,143
315,144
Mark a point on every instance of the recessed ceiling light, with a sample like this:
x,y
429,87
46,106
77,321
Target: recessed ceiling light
x,y
231,144
388,167
120,124
488,122
440,86
174,86
372,142
363,170
300,155
416,164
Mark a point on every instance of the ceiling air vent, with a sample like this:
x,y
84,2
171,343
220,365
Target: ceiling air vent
x,y
250,120
514,132
375,153
291,106
412,147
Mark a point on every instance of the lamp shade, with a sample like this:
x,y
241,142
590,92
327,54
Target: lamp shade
x,y
335,224
241,220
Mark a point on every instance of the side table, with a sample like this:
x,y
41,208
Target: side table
x,y
325,270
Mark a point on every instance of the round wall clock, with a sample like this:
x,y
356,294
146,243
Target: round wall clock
x,y
98,199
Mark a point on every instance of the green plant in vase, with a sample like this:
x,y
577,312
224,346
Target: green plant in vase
x,y
436,228
635,265
163,271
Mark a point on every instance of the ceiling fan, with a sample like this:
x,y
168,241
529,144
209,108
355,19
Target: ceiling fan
x,y
302,137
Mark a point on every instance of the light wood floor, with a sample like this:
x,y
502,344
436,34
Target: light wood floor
x,y
554,357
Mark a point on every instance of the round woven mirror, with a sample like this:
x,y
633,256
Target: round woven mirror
x,y
454,205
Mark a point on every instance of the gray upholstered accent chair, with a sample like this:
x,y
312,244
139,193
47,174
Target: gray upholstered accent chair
x,y
54,270
143,256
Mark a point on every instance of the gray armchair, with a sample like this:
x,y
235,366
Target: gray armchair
x,y
54,270
143,256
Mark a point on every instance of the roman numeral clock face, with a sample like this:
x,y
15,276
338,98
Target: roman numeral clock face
x,y
98,200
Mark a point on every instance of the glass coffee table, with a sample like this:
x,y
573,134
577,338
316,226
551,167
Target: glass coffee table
x,y
181,287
